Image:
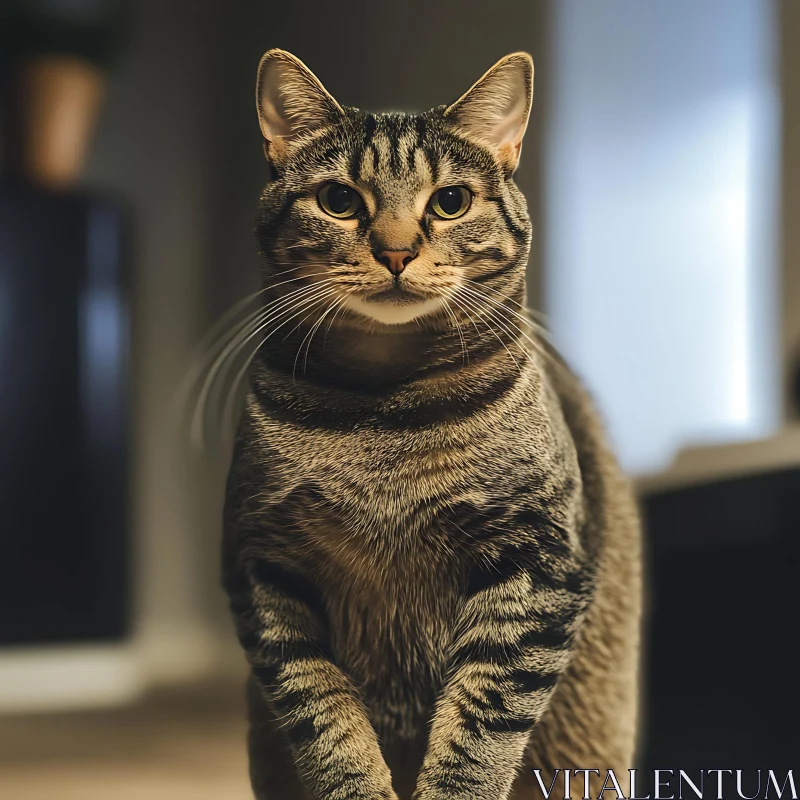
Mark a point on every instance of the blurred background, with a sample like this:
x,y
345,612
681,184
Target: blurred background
x,y
662,171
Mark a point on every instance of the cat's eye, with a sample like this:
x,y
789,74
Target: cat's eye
x,y
339,201
451,202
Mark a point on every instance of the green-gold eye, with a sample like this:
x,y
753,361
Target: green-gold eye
x,y
451,202
339,201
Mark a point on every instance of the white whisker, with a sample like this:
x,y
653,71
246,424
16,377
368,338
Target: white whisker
x,y
336,313
509,324
310,335
454,318
221,365
478,309
217,338
235,348
530,311
303,305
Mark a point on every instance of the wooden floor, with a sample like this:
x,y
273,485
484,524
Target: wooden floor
x,y
178,746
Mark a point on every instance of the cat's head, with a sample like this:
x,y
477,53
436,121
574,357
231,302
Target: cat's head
x,y
393,217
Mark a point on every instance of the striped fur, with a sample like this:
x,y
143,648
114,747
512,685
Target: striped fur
x,y
431,555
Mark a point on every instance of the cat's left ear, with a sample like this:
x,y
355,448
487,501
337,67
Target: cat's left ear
x,y
290,101
495,111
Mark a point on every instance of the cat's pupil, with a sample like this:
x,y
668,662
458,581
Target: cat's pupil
x,y
450,200
340,198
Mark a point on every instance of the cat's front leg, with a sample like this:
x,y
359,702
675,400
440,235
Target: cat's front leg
x,y
512,642
315,704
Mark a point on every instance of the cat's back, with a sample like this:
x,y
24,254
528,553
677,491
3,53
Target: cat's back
x,y
594,710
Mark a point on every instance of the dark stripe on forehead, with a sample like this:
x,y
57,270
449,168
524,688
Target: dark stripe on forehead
x,y
422,129
369,128
421,126
357,156
427,141
394,131
331,154
468,156
411,160
433,161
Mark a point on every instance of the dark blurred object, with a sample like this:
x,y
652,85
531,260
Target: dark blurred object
x,y
721,671
55,55
63,419
63,411
90,29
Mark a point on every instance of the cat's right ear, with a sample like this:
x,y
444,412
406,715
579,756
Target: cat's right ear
x,y
291,102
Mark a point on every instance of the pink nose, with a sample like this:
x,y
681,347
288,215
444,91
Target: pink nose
x,y
396,260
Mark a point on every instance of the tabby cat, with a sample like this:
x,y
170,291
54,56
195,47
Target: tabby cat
x,y
431,555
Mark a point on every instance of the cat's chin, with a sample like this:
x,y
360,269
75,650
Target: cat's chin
x,y
389,313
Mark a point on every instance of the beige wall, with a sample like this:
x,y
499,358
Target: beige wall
x,y
156,150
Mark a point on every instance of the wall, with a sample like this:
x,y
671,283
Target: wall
x,y
661,180
154,149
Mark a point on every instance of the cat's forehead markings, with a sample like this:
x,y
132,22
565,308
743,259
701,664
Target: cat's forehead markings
x,y
383,146
368,167
408,145
451,173
422,166
339,161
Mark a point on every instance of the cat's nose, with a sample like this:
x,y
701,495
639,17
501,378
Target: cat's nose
x,y
396,260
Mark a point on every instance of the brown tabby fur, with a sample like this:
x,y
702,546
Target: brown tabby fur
x,y
431,554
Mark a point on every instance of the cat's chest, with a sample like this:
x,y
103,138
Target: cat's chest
x,y
390,631
386,562
381,481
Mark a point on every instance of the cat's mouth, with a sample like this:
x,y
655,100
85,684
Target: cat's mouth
x,y
394,305
396,294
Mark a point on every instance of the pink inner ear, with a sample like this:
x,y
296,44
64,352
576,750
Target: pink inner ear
x,y
495,110
512,126
274,122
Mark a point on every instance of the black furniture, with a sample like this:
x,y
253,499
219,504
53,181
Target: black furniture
x,y
64,539
722,641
